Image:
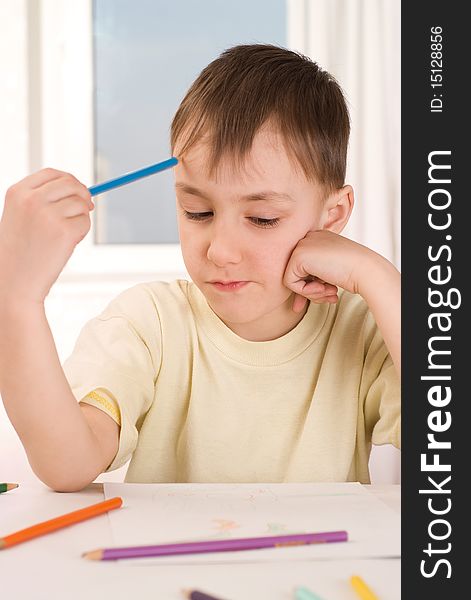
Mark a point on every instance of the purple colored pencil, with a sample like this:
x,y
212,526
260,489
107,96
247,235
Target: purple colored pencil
x,y
218,545
197,595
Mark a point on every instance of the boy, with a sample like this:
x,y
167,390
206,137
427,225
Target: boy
x,y
279,361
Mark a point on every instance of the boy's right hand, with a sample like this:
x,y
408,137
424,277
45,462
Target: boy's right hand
x,y
45,216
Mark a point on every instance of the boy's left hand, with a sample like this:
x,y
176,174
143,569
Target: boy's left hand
x,y
321,262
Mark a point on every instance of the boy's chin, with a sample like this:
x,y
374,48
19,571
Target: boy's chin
x,y
236,315
239,312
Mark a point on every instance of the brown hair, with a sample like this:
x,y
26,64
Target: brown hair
x,y
250,85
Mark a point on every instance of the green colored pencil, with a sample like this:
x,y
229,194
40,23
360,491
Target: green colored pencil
x,y
6,487
303,593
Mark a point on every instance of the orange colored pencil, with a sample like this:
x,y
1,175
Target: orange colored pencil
x,y
58,522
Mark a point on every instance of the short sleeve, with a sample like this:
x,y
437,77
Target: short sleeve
x,y
103,400
118,353
381,392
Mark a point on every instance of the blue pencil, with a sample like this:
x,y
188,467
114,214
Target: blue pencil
x,y
99,188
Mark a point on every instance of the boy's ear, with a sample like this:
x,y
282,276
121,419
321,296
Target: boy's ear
x,y
338,208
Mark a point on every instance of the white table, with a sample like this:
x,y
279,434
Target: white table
x,y
51,567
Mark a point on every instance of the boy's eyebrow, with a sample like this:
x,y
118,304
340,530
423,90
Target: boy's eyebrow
x,y
267,195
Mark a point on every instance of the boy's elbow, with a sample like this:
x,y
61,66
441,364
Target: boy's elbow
x,y
67,486
66,483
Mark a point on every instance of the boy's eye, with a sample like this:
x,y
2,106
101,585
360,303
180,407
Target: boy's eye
x,y
202,216
264,222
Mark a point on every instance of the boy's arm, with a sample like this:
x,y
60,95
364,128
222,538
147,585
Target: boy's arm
x,y
380,287
67,445
323,260
45,216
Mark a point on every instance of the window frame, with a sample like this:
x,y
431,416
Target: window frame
x,y
64,108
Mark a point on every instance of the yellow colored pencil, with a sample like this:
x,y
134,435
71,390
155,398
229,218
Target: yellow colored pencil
x,y
362,590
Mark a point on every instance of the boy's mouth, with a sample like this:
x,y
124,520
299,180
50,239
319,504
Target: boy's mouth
x,y
228,286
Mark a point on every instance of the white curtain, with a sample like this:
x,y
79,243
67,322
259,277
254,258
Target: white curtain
x,y
359,43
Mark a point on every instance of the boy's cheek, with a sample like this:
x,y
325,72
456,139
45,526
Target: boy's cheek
x,y
289,249
272,258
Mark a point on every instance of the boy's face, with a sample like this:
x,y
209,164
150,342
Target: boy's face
x,y
230,233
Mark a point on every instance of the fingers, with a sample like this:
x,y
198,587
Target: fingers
x,y
72,206
49,185
40,178
82,223
318,288
299,303
58,188
63,187
316,291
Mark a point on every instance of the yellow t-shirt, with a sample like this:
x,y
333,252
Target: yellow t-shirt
x,y
198,403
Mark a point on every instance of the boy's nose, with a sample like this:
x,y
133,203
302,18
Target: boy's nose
x,y
224,247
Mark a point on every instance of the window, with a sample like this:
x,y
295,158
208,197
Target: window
x,y
145,57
